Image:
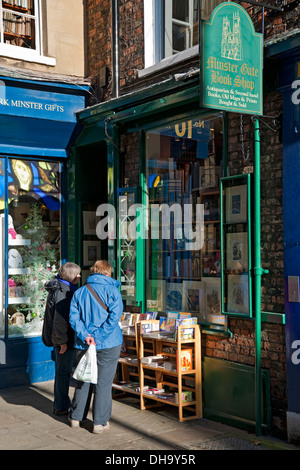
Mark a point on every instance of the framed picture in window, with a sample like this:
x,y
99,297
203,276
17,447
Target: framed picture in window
x,y
236,204
89,222
156,291
193,296
237,251
212,296
91,252
174,296
238,295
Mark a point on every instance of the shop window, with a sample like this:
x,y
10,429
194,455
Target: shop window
x,y
183,168
32,253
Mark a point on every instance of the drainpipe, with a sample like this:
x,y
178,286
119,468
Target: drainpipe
x,y
115,49
257,272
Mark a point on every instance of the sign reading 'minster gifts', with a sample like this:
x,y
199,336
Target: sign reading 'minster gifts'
x,y
231,61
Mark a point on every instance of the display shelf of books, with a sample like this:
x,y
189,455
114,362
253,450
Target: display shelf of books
x,y
161,363
177,373
128,372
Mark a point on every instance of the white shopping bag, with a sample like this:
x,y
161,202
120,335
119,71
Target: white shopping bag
x,y
87,370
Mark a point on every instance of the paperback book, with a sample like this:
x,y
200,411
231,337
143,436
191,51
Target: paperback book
x,y
184,360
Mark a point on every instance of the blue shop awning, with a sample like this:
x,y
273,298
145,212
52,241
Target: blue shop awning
x,y
36,137
38,118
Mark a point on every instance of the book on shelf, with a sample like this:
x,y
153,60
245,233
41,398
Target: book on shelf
x,y
186,396
154,391
184,359
167,325
184,315
172,314
186,333
149,360
148,328
165,395
151,315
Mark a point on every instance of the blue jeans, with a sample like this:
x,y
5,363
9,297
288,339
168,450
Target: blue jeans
x,y
63,369
107,360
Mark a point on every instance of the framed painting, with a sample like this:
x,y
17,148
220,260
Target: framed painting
x,y
237,251
156,291
236,204
237,294
91,252
212,296
193,296
174,296
89,222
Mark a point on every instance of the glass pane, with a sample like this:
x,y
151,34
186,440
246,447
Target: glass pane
x,y
2,248
183,165
127,249
236,236
33,239
181,10
18,28
181,37
22,6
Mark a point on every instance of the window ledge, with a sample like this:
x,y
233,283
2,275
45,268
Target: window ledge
x,y
169,61
28,55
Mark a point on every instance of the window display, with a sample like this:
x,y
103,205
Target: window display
x,y
183,169
236,242
32,220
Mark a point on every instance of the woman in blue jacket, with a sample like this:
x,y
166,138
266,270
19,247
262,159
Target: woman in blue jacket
x,y
93,324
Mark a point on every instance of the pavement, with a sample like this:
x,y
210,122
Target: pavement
x,y
28,423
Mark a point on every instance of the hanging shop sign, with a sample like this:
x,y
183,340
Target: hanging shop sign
x,y
231,61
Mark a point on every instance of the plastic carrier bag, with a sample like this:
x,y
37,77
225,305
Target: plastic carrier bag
x,y
87,370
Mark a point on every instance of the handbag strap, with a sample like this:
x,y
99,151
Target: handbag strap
x,y
96,297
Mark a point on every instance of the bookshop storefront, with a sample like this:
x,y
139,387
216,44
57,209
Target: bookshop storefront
x,y
172,164
37,120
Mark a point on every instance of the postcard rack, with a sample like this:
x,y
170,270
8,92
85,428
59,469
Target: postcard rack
x,y
165,371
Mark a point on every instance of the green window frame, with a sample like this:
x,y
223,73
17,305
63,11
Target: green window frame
x,y
236,246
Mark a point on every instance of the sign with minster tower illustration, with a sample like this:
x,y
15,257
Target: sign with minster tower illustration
x,y
231,61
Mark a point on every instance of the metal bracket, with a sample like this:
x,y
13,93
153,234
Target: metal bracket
x,y
260,271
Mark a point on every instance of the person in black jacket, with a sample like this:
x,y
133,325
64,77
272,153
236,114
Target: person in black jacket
x,y
58,333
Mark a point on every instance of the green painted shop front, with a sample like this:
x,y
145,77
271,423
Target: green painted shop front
x,y
112,158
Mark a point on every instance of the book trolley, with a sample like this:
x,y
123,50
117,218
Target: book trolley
x,y
163,370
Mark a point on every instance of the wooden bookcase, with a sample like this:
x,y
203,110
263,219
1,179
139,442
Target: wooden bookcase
x,y
178,382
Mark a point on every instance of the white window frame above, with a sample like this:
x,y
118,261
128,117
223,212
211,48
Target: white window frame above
x,y
159,30
170,21
21,53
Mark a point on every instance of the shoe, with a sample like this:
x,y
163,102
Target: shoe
x,y
60,412
74,423
99,428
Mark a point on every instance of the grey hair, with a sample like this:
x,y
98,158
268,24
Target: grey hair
x,y
69,271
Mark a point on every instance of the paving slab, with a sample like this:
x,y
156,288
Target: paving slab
x,y
27,422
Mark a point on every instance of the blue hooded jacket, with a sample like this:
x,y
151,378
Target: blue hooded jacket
x,y
88,317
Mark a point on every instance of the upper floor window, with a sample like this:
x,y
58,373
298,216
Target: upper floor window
x,y
181,25
172,26
21,30
19,23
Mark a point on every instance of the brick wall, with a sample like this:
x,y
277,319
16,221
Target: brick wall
x,y
241,347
